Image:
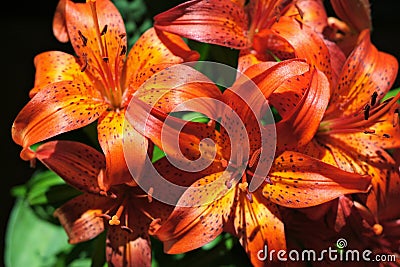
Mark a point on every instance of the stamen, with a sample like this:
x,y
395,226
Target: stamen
x,y
254,157
377,228
243,186
83,38
105,216
154,226
126,228
369,131
123,51
228,184
301,12
114,220
366,111
85,62
373,98
396,117
150,194
249,197
104,31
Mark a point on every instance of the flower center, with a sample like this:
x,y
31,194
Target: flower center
x,y
361,120
99,65
246,170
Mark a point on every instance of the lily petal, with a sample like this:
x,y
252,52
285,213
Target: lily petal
x,y
314,50
180,85
312,13
116,137
175,136
217,22
356,13
78,164
59,25
153,52
257,224
56,66
200,212
86,24
124,248
81,218
56,109
366,71
299,128
301,181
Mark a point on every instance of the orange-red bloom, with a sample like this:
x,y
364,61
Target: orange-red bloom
x,y
126,213
357,127
225,200
261,29
97,84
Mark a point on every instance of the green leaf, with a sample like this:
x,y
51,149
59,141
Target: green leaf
x,y
391,93
31,241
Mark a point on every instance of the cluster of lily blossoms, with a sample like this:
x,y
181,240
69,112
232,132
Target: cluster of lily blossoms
x,y
334,172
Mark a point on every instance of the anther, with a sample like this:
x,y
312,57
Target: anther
x,y
228,184
104,31
366,111
83,38
301,12
243,186
369,131
268,180
85,62
249,197
396,117
377,228
373,98
114,220
123,50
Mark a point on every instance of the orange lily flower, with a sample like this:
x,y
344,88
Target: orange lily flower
x,y
71,92
262,30
225,200
356,128
127,213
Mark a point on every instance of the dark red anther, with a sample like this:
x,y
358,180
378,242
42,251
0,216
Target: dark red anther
x,y
104,31
366,111
373,98
83,38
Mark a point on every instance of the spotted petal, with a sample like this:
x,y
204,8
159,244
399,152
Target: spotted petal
x,y
80,217
117,137
366,71
301,181
217,22
258,224
56,66
153,52
78,164
200,213
300,127
96,30
56,109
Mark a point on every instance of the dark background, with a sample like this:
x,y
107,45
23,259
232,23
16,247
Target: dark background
x,y
26,30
